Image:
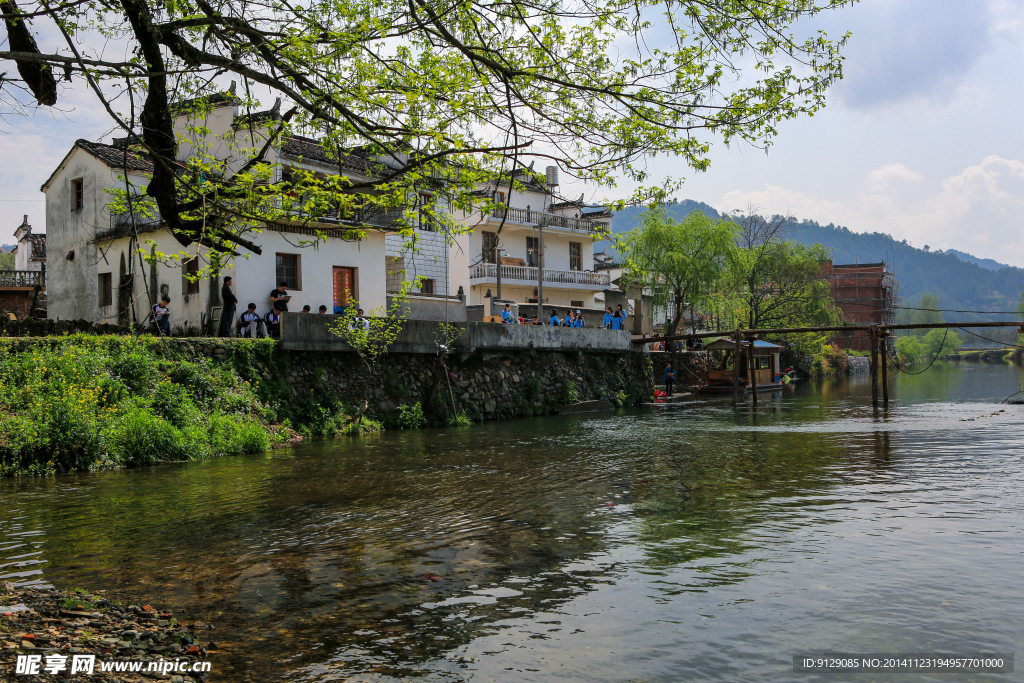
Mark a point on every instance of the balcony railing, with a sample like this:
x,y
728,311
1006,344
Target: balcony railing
x,y
531,217
584,278
22,278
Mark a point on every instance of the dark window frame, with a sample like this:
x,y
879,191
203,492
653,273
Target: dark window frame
x,y
294,279
190,273
105,288
576,260
489,246
77,194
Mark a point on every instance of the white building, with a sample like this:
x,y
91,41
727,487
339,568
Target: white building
x,y
568,231
99,274
29,248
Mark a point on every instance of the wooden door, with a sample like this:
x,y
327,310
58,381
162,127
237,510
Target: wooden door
x,y
344,287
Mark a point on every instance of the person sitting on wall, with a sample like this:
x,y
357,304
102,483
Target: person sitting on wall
x,y
580,321
507,317
606,323
250,323
306,309
162,316
536,321
668,378
553,321
280,297
323,310
273,322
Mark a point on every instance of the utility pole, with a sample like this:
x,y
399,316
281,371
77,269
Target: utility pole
x,y
540,271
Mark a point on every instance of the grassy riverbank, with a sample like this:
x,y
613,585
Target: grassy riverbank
x,y
87,402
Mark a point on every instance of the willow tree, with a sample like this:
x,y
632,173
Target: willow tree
x,y
454,96
775,282
681,264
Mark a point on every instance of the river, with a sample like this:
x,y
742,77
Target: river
x,y
691,541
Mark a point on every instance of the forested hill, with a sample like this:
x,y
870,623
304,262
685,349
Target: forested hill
x,y
956,279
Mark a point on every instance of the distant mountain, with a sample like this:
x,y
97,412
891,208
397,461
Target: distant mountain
x,y
959,280
986,263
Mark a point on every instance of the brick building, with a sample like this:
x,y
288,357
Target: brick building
x,y
866,294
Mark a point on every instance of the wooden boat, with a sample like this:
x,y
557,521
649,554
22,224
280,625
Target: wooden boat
x,y
721,372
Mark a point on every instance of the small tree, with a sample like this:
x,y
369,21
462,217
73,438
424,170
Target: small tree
x,y
372,337
679,262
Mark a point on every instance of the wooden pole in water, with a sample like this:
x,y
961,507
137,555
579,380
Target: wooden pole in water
x,y
752,374
873,336
885,366
736,368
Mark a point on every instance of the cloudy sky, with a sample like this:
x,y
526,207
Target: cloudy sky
x,y
922,139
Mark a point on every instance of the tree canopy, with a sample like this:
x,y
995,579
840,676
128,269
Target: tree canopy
x,y
454,95
774,282
681,263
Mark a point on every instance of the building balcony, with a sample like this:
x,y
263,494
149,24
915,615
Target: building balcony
x,y
486,273
22,279
531,219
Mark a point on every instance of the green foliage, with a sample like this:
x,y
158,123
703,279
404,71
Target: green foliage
x,y
828,359
87,402
570,393
462,419
680,262
909,350
941,344
406,416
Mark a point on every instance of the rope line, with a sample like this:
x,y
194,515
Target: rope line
x,y
1006,345
897,365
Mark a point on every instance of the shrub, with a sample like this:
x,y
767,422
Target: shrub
x,y
406,416
139,437
192,377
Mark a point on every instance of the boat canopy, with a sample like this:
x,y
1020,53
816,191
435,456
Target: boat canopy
x,y
729,345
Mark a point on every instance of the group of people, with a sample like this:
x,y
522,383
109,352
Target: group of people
x,y
613,320
250,322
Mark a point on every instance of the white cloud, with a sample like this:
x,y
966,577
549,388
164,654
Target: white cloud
x,y
979,210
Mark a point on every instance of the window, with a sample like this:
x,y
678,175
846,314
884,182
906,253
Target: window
x,y
289,270
499,197
426,207
427,287
532,252
77,194
575,256
191,276
106,289
490,246
576,304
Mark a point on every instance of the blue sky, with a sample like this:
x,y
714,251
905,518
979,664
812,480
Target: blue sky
x,y
922,139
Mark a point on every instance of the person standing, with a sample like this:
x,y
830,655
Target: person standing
x,y
227,313
280,297
553,320
606,323
617,319
669,378
162,316
580,320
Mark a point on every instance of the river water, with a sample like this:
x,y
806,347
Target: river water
x,y
691,541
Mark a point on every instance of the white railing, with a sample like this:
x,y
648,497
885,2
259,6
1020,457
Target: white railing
x,y
547,219
489,271
22,278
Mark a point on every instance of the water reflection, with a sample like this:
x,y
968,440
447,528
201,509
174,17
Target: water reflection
x,y
696,537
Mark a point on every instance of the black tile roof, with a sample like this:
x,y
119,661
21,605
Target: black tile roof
x,y
298,147
114,156
38,246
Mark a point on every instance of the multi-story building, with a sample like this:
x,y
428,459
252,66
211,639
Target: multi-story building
x,y
533,223
100,272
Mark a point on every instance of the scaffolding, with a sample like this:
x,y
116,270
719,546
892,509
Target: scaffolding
x,y
866,294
